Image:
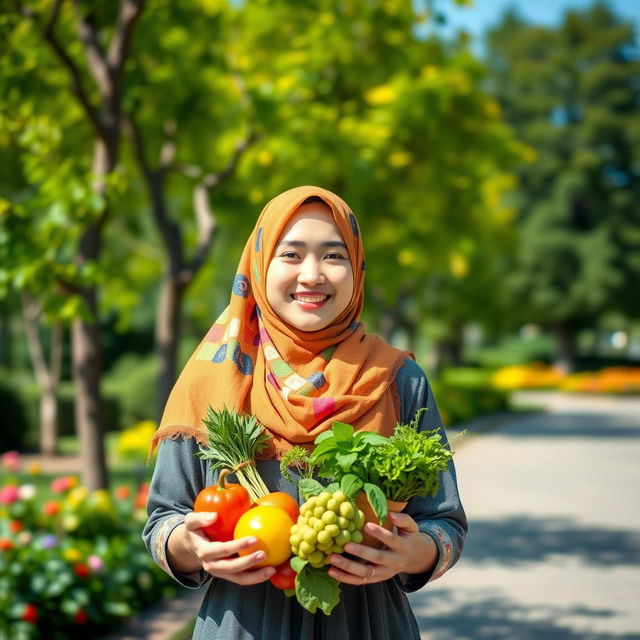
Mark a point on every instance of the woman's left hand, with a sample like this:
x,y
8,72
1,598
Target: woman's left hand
x,y
407,551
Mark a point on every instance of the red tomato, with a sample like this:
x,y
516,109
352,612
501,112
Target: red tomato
x,y
284,577
30,613
229,501
281,500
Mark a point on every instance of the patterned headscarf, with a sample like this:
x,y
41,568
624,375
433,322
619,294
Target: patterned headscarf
x,y
297,383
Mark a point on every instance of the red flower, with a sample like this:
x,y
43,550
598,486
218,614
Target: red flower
x,y
30,613
51,508
141,496
5,544
80,617
123,492
81,570
15,526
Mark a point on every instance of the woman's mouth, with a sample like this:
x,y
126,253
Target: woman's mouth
x,y
310,300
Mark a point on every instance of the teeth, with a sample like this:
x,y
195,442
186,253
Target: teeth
x,y
310,298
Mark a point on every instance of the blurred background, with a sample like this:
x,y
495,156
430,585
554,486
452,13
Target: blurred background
x,y
491,152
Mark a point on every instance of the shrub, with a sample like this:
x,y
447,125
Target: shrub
x,y
73,566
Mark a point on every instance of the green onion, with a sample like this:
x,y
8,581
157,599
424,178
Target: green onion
x,y
234,441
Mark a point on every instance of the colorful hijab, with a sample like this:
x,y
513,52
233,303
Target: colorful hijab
x,y
297,383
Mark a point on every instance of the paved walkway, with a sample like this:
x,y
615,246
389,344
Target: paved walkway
x,y
553,550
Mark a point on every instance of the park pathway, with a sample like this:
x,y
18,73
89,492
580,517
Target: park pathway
x,y
553,550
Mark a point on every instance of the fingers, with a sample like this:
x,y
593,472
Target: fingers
x,y
193,520
405,523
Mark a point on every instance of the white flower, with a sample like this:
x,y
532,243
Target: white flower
x,y
27,491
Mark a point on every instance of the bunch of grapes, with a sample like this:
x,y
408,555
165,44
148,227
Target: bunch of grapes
x,y
326,523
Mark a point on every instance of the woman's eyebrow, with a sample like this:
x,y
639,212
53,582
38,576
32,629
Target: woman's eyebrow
x,y
301,243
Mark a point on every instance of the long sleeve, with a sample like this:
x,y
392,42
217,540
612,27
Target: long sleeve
x,y
441,516
177,479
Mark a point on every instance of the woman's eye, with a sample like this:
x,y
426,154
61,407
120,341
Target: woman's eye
x,y
289,254
335,256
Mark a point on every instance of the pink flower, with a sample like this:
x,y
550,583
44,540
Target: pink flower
x,y
11,460
63,484
95,562
9,494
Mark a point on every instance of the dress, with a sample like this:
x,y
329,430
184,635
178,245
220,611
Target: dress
x,y
379,611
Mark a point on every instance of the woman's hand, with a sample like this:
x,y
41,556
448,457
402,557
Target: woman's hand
x,y
407,551
217,558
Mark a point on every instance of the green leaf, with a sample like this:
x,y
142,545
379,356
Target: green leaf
x,y
316,589
373,439
345,460
328,446
298,564
323,436
377,500
351,484
342,432
334,486
310,487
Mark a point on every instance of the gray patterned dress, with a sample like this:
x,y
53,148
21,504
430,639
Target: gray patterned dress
x,y
379,611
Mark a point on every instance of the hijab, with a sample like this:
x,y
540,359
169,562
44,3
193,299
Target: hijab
x,y
297,383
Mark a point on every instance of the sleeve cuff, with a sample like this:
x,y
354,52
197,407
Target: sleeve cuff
x,y
410,582
191,581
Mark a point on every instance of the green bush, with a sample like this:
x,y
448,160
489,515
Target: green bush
x,y
133,382
14,421
72,563
20,401
465,393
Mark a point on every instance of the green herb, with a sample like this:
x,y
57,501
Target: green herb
x,y
409,463
315,588
339,454
234,441
299,458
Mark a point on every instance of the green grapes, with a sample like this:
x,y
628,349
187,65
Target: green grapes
x,y
326,523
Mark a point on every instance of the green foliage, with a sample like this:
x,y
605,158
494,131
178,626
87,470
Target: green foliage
x,y
77,562
409,464
571,93
315,588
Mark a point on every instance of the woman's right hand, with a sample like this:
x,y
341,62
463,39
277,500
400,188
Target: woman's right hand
x,y
217,558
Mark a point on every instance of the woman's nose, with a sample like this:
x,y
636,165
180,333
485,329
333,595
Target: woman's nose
x,y
311,271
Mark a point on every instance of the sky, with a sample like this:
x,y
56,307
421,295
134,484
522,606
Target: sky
x,y
485,13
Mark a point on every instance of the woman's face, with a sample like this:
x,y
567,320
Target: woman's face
x,y
309,279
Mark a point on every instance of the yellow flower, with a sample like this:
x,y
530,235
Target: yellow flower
x,y
135,441
72,555
77,496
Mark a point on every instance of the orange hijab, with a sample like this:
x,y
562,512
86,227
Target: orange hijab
x,y
297,383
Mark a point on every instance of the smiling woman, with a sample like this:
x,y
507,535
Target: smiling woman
x,y
291,351
310,279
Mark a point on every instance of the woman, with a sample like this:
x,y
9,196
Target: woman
x,y
289,349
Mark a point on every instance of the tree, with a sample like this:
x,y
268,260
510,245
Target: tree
x,y
95,80
571,93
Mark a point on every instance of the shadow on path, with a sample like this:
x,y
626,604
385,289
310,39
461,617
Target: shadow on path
x,y
518,539
573,425
495,618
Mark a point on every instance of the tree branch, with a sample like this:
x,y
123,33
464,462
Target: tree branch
x,y
130,11
94,52
205,218
77,87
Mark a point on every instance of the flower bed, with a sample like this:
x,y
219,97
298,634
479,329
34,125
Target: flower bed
x,y
72,563
540,376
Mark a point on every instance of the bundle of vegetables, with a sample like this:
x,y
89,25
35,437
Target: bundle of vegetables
x,y
248,508
234,441
398,468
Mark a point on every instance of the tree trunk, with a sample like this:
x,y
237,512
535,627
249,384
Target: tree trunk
x,y
168,336
88,401
47,375
565,353
85,340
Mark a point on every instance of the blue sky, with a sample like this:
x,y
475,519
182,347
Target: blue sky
x,y
485,13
